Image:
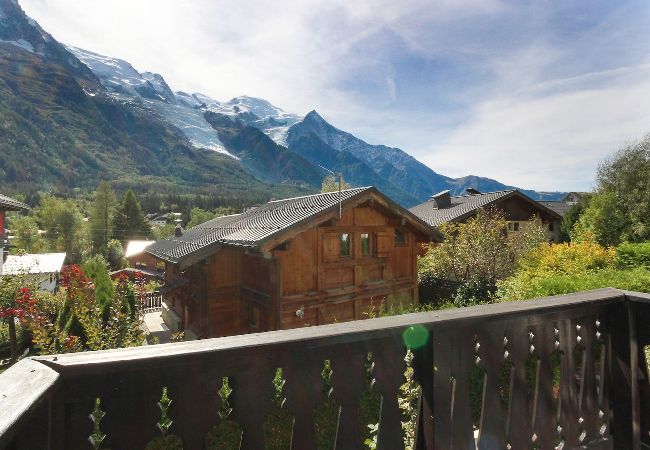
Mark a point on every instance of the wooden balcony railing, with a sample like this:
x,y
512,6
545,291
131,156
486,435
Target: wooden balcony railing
x,y
563,372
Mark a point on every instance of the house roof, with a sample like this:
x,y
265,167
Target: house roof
x,y
559,207
9,204
33,264
136,247
259,225
464,206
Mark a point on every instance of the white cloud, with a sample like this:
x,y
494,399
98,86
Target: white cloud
x,y
549,143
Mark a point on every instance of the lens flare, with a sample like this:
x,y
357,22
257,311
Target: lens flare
x,y
415,337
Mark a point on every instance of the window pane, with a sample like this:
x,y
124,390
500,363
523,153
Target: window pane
x,y
400,237
345,244
365,244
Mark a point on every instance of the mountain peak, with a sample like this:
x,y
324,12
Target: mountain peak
x,y
313,115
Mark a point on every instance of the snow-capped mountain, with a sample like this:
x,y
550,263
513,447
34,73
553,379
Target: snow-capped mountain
x,y
185,111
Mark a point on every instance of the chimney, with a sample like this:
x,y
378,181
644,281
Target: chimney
x,y
178,231
472,191
441,199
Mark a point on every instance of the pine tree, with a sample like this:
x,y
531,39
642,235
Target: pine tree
x,y
129,221
102,218
97,269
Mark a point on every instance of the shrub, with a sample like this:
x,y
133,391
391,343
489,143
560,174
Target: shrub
x,y
555,262
630,255
637,279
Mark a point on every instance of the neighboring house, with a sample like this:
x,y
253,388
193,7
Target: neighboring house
x,y
516,206
160,220
7,204
157,220
141,262
292,263
568,201
44,268
137,257
573,198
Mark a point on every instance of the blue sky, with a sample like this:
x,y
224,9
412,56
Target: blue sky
x,y
534,94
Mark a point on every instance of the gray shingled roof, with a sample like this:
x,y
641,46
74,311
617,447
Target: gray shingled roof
x,y
559,207
9,204
255,226
249,228
460,208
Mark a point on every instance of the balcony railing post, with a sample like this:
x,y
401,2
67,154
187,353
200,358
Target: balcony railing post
x,y
423,374
634,378
624,369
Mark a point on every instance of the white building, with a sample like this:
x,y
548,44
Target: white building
x,y
44,268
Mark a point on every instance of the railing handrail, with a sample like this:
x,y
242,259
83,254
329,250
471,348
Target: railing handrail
x,y
360,328
24,385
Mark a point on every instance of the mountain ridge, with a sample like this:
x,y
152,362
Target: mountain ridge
x,y
262,140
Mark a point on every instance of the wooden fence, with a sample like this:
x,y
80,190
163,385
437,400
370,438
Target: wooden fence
x,y
564,372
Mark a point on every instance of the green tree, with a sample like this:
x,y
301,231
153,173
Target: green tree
x,y
115,255
96,268
602,220
199,216
625,177
478,253
571,218
129,221
101,218
331,184
64,227
26,237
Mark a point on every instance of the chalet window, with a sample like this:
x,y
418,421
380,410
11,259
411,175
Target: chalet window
x,y
366,245
400,237
550,226
344,244
513,226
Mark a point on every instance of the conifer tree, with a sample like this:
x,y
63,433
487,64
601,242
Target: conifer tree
x,y
101,218
129,221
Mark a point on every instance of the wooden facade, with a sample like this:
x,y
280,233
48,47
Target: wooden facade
x,y
328,270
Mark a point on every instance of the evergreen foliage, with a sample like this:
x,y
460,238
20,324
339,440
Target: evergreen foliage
x,y
101,218
96,268
129,221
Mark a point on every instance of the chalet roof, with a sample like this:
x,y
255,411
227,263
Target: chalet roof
x,y
9,204
560,207
463,206
31,264
257,225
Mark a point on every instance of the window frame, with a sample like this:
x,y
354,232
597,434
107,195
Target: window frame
x,y
349,245
371,246
513,227
404,241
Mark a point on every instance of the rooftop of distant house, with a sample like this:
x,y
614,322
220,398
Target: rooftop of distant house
x,y
443,207
9,204
33,264
136,247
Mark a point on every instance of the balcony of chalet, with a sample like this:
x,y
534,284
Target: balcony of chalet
x,y
564,372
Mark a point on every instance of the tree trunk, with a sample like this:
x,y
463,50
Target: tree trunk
x,y
13,341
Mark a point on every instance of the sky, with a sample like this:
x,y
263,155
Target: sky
x,y
532,93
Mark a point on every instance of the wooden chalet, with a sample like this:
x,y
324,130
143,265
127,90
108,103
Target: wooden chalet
x,y
517,207
290,263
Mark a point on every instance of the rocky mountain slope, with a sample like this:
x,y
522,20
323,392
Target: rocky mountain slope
x,y
94,117
59,129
